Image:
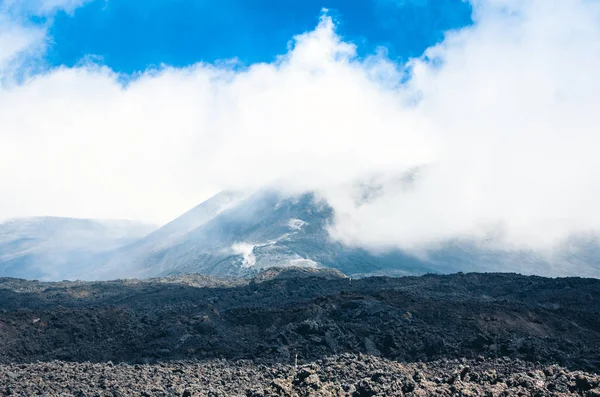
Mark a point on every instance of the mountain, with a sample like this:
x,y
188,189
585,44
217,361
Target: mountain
x,y
53,248
237,235
144,257
233,235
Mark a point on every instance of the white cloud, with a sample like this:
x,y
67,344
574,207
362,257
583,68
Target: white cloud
x,y
513,102
68,5
41,7
17,44
499,134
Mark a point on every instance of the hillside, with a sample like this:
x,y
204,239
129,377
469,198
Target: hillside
x,y
554,321
237,236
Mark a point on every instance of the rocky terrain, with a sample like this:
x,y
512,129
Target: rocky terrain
x,y
343,375
190,333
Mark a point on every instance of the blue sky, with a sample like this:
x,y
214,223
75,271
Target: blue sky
x,y
132,35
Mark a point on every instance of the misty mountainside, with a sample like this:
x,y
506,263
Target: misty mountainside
x,y
134,259
237,235
51,248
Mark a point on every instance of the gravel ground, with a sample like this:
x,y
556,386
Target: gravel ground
x,y
341,375
191,335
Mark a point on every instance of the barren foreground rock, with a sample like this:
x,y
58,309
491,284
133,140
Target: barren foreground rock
x,y
345,375
463,334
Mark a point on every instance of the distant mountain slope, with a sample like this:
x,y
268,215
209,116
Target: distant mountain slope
x,y
237,235
232,235
54,248
249,234
143,258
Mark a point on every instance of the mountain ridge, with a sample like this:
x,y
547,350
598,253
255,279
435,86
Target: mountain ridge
x,y
262,230
235,234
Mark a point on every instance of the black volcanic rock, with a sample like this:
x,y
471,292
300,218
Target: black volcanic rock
x,y
553,321
297,272
340,375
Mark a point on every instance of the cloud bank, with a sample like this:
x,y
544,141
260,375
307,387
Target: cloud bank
x,y
40,7
491,135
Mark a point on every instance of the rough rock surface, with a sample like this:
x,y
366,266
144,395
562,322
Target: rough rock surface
x,y
345,375
298,312
463,334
